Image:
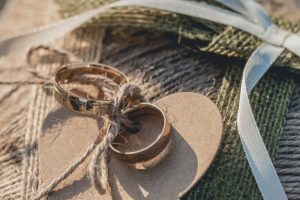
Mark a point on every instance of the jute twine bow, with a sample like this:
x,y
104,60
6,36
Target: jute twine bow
x,y
127,95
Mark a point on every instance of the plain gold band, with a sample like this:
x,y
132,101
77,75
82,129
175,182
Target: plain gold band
x,y
154,148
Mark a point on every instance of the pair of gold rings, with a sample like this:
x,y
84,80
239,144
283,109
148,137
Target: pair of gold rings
x,y
102,107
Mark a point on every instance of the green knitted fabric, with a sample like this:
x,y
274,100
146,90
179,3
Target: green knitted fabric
x,y
230,176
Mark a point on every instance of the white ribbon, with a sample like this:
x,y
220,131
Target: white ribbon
x,y
256,152
250,17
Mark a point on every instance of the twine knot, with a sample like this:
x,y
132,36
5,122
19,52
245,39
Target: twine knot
x,y
127,95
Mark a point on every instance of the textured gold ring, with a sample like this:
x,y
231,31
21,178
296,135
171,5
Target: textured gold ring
x,y
156,147
80,104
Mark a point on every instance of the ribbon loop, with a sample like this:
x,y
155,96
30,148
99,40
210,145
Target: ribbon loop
x,y
276,36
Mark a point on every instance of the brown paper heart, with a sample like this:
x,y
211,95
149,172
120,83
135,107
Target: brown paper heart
x,y
196,135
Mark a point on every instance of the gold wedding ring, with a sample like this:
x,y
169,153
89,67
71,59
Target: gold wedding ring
x,y
156,147
101,107
80,104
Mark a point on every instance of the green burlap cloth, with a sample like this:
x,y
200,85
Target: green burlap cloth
x,y
230,176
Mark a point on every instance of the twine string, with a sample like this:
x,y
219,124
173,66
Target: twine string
x,y
126,95
98,171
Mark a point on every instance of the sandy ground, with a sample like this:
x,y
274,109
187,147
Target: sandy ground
x,y
287,9
34,14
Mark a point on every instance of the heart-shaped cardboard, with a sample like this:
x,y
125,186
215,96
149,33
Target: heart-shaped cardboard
x,y
195,138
